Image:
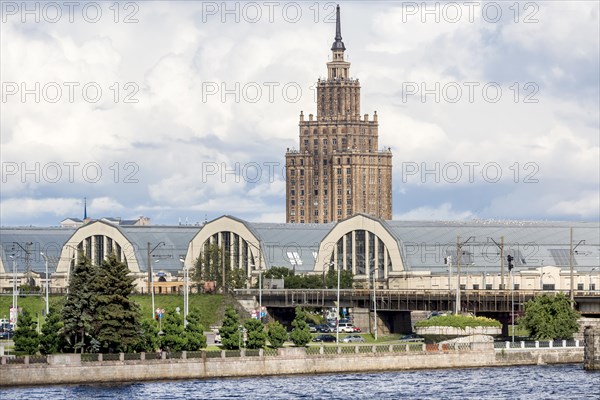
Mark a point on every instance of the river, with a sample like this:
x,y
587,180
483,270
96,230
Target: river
x,y
527,382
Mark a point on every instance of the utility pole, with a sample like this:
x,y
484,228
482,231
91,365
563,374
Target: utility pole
x,y
501,247
502,262
571,250
457,303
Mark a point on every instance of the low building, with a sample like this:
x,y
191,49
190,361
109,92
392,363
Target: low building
x,y
424,255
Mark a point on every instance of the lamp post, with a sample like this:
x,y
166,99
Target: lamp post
x,y
151,275
152,289
374,305
512,295
185,292
47,279
459,246
337,317
15,292
571,254
259,279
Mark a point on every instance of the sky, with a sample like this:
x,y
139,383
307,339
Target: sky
x,y
183,111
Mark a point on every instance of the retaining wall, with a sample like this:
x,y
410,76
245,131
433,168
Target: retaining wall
x,y
68,369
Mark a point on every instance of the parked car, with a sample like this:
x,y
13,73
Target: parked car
x,y
324,338
312,328
357,329
353,339
411,337
346,327
6,335
323,328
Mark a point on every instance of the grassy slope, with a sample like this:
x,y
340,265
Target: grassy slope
x,y
211,306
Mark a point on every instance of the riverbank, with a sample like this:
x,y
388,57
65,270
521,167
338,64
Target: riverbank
x,y
107,368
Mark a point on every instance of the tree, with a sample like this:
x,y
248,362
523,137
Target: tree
x,y
257,336
147,337
26,338
194,332
52,341
116,321
79,309
346,279
210,266
230,331
173,338
277,273
550,317
300,333
277,334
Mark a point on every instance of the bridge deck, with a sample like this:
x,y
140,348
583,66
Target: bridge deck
x,y
413,300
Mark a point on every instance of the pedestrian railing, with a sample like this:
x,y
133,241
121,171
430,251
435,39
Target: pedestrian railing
x,y
311,351
538,344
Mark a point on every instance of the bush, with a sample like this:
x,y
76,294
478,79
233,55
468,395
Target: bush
x,y
458,321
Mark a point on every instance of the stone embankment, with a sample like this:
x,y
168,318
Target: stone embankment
x,y
105,368
591,361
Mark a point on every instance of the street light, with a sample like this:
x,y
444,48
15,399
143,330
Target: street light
x,y
459,246
185,293
571,253
152,288
259,279
15,292
151,275
374,303
47,306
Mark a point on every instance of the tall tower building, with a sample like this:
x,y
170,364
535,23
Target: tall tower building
x,y
338,170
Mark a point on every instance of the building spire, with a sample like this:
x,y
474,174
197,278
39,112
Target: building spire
x,y
338,44
84,208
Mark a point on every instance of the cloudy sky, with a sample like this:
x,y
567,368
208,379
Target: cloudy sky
x,y
183,111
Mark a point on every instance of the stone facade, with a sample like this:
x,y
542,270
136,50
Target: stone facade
x,y
338,170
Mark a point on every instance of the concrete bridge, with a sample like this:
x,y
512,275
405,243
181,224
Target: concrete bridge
x,y
476,301
397,310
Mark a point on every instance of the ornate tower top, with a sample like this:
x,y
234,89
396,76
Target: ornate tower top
x,y
338,44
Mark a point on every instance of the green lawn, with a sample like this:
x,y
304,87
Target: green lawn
x,y
211,306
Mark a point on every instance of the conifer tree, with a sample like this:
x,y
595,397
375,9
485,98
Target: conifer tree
x,y
230,331
194,332
277,334
173,338
257,337
52,341
79,309
301,333
116,321
26,338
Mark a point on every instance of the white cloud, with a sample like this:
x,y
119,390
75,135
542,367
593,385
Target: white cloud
x,y
172,133
443,212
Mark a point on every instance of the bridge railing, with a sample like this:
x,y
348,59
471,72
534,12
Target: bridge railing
x,y
538,344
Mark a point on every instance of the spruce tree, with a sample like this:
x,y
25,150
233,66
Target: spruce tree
x,y
116,322
52,341
26,338
173,338
277,334
147,337
301,333
230,331
194,332
79,309
257,336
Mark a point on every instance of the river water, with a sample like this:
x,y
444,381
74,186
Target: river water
x,y
530,382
